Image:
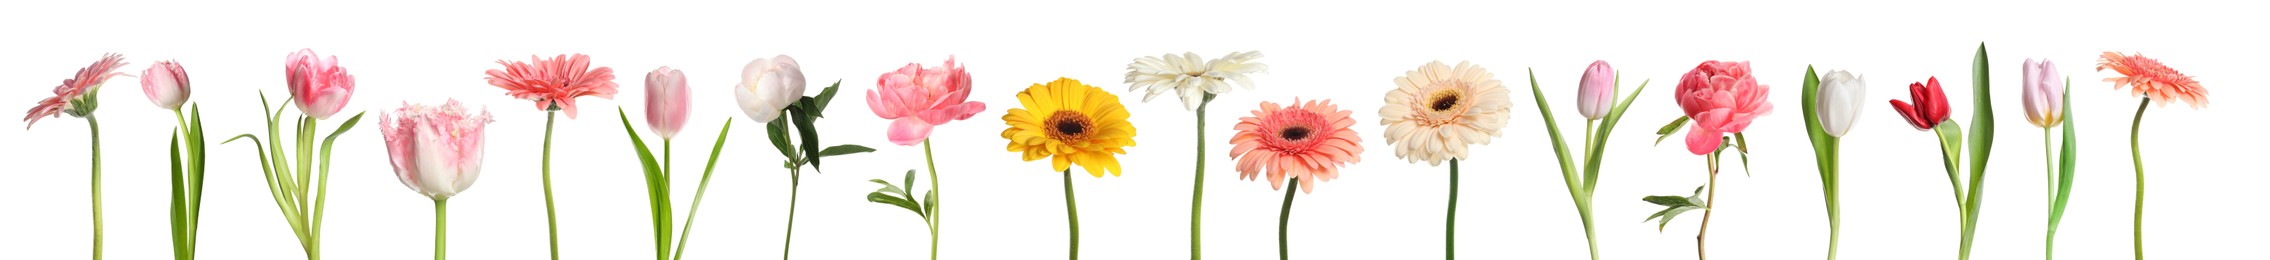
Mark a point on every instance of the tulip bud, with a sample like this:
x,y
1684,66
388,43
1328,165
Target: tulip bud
x,y
1839,101
166,84
666,101
2044,94
768,86
1597,91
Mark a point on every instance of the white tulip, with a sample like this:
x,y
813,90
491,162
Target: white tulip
x,y
1841,96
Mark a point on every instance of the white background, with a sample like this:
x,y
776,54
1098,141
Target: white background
x,y
1896,205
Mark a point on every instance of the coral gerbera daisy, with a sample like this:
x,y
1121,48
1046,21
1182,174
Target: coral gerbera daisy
x,y
1192,77
1306,142
554,83
1436,111
2152,80
1071,123
71,97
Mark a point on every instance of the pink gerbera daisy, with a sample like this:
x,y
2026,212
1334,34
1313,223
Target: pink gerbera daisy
x,y
554,83
74,89
1306,142
2152,79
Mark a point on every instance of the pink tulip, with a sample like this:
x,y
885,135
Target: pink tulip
x,y
166,84
1596,91
918,98
666,101
1722,98
318,85
2044,94
436,151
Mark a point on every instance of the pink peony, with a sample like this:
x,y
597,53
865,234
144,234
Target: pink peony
x,y
918,98
1722,98
318,85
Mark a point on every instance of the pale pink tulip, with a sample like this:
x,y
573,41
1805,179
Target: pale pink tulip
x,y
2044,94
1596,91
318,85
436,151
666,101
1722,98
918,98
166,84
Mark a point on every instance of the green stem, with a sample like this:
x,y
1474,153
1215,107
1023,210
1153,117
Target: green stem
x,y
1198,184
932,162
788,236
1072,214
2138,155
2048,161
1829,187
551,215
1450,219
1285,216
1584,205
441,229
94,131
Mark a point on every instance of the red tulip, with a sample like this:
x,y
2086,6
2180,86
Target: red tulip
x,y
1930,106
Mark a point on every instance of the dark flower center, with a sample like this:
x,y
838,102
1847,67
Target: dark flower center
x,y
1068,125
1294,133
1444,102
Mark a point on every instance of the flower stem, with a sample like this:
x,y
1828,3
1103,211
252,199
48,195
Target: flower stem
x,y
1450,219
1708,204
1285,216
2049,163
2137,154
1829,187
932,162
551,215
1584,205
94,131
1072,214
441,229
788,236
1198,186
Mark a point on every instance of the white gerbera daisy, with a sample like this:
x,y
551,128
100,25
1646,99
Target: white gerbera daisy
x,y
1436,111
1192,77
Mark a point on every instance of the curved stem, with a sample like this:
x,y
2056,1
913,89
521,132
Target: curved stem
x,y
2138,155
441,229
551,215
1450,219
932,162
94,131
1198,186
789,234
1072,214
1708,206
1285,216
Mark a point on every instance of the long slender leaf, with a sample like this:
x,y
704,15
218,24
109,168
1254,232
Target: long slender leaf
x,y
1668,129
657,190
1981,145
844,149
777,131
810,136
1553,130
2066,158
820,102
1600,144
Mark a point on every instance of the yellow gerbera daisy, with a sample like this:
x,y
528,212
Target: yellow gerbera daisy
x,y
1071,123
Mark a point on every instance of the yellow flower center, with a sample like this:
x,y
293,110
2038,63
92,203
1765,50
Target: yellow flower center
x,y
1443,100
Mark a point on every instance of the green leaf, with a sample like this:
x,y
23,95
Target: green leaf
x,y
777,131
2065,160
929,203
1742,146
1600,142
887,199
846,149
657,189
1668,129
820,103
811,137
909,182
1553,131
1981,144
1673,205
888,187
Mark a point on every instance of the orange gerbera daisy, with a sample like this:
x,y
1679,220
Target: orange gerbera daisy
x,y
2152,79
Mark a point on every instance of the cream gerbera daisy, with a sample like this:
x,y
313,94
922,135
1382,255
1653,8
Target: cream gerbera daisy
x,y
1192,77
1436,111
